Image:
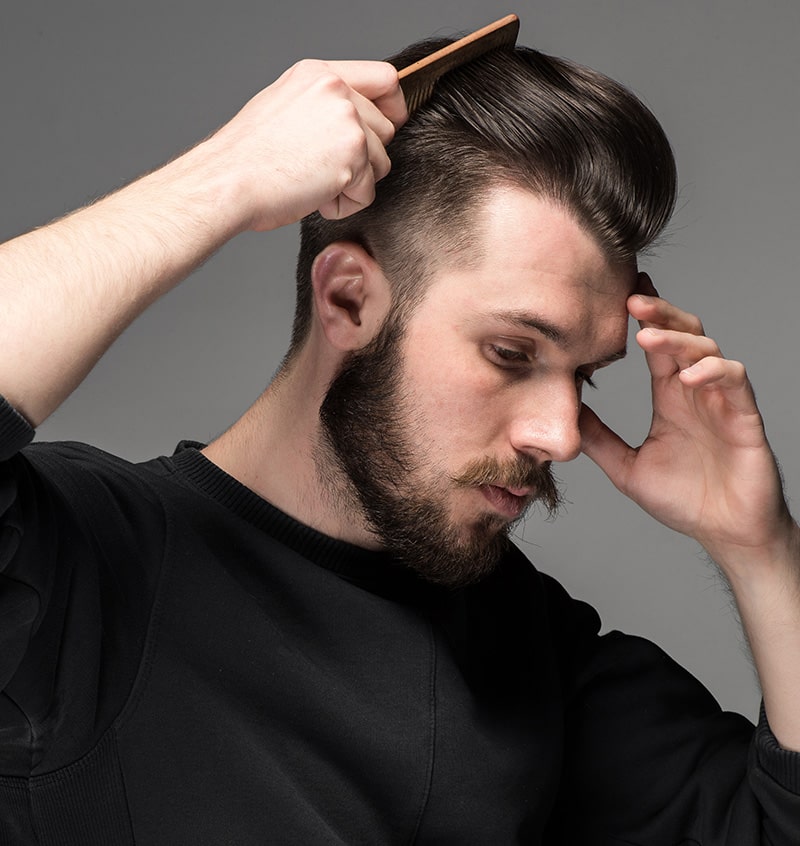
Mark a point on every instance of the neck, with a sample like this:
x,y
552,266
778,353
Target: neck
x,y
278,450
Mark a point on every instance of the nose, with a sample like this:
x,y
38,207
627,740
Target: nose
x,y
546,425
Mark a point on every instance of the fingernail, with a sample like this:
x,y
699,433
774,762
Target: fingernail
x,y
646,282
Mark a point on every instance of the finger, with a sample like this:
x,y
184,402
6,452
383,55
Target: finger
x,y
330,209
360,192
605,447
653,311
356,198
378,157
378,82
681,349
358,195
372,117
644,285
723,375
393,105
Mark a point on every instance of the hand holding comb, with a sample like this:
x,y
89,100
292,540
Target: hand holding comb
x,y
418,79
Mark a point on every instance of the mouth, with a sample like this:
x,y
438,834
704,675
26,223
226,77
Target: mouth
x,y
510,502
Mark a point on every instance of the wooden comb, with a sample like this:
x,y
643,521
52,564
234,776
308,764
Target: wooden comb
x,y
417,80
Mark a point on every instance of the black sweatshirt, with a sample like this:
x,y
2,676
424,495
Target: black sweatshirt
x,y
181,664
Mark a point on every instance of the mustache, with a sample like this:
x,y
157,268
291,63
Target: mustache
x,y
521,472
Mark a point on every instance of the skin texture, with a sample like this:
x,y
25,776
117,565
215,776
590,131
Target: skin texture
x,y
76,284
545,295
493,359
466,399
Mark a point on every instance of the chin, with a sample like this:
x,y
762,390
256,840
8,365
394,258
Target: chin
x,y
471,554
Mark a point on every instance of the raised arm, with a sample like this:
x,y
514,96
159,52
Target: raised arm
x,y
314,139
706,470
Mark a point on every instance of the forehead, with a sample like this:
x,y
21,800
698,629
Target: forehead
x,y
531,257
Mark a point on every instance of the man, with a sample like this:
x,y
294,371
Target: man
x,y
314,629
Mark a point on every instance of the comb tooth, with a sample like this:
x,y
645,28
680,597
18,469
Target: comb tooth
x,y
418,79
424,94
418,95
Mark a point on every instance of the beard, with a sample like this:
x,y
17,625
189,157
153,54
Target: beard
x,y
373,437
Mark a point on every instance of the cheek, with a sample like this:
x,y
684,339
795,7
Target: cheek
x,y
457,404
461,402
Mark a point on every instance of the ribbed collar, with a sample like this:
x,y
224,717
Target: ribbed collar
x,y
374,571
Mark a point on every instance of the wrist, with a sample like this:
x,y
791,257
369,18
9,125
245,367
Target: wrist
x,y
200,188
775,562
768,599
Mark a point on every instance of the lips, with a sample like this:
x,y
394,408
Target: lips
x,y
523,492
510,502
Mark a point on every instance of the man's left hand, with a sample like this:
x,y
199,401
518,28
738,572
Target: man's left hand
x,y
705,468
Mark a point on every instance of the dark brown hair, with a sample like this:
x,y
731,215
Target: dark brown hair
x,y
514,116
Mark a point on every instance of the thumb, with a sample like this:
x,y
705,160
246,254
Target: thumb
x,y
606,448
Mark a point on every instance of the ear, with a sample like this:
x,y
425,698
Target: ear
x,y
351,295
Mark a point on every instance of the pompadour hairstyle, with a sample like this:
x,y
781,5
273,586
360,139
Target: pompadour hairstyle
x,y
514,116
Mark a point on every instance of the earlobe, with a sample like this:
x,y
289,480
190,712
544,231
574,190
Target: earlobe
x,y
351,295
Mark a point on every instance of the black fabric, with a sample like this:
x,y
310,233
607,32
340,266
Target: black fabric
x,y
181,663
15,431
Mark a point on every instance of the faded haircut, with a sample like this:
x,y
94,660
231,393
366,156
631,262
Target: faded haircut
x,y
516,117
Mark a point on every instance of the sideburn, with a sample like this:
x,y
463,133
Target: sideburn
x,y
357,413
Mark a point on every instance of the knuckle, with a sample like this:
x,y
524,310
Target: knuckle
x,y
299,71
353,143
696,325
331,84
738,370
385,131
308,66
348,113
345,177
339,121
382,167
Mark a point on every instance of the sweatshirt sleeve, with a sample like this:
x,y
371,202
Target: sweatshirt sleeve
x,y
21,598
15,431
81,539
651,759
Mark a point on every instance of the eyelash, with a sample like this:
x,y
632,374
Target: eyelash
x,y
512,357
515,358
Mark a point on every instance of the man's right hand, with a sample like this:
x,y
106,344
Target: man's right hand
x,y
313,140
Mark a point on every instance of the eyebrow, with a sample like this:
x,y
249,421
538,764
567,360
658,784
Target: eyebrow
x,y
552,332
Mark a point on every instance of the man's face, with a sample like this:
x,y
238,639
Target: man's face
x,y
447,424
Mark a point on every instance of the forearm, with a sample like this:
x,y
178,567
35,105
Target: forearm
x,y
706,470
767,591
314,139
69,289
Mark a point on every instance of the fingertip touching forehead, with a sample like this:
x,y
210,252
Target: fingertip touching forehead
x,y
515,117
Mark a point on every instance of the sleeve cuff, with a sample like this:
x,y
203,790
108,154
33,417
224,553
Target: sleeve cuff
x,y
782,764
15,431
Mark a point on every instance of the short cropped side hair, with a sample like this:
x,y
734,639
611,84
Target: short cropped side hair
x,y
518,117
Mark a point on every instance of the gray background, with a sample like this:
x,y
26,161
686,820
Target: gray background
x,y
93,93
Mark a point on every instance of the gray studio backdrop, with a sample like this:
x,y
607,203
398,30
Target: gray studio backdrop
x,y
93,93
